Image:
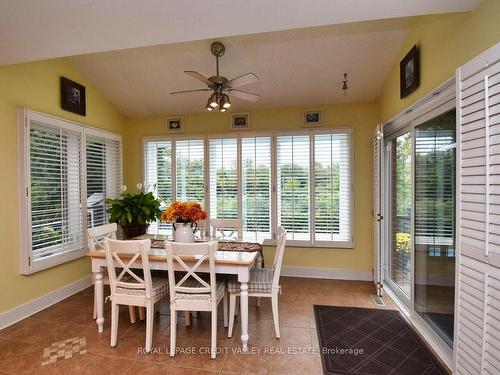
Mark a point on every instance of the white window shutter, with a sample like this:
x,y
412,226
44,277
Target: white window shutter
x,y
190,170
477,348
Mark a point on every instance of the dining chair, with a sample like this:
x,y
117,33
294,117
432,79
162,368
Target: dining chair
x,y
194,292
95,239
226,229
136,290
263,282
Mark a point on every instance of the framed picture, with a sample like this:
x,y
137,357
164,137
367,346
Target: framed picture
x,y
73,97
175,125
240,121
409,72
313,118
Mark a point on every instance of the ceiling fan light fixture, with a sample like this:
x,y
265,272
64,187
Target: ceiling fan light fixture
x,y
212,101
226,103
222,109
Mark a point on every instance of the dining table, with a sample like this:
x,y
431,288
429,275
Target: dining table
x,y
233,257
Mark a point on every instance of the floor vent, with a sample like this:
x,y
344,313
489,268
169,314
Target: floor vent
x,y
377,300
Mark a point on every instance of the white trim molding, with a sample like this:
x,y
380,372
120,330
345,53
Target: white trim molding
x,y
328,273
27,309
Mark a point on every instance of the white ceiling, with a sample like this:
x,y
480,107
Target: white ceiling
x,y
36,30
295,67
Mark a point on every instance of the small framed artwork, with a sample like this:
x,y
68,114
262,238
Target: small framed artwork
x,y
175,124
73,97
313,118
240,121
409,72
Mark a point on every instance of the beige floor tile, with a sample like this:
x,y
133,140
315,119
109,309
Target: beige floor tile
x,y
25,340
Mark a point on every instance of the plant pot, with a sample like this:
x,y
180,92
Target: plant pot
x,y
133,230
184,232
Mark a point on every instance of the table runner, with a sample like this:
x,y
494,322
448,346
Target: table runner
x,y
246,247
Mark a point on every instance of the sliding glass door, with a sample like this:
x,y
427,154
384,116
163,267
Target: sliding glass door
x,y
420,231
435,223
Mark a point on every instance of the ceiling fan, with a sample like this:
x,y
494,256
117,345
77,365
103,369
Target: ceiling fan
x,y
220,86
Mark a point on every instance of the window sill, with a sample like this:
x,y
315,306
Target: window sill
x,y
319,245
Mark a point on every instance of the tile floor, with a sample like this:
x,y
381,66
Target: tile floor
x,y
22,345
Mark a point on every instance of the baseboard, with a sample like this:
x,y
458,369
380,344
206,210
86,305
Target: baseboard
x,y
328,273
27,309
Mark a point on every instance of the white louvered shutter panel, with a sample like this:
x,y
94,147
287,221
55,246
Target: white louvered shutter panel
x,y
55,186
256,187
477,343
332,187
223,178
190,170
104,175
293,172
377,209
158,177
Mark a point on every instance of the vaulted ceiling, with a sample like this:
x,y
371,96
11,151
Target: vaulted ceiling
x,y
135,52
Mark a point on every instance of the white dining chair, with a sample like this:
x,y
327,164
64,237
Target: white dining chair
x,y
193,292
227,229
95,240
135,290
264,282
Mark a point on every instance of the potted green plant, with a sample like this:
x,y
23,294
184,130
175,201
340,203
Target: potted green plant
x,y
134,211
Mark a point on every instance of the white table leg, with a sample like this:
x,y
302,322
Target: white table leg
x,y
244,315
99,293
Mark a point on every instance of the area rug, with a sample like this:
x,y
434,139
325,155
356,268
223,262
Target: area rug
x,y
371,341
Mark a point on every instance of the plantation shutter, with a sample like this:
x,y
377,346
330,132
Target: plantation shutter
x,y
55,177
190,170
477,344
223,178
332,188
256,186
377,209
158,177
104,176
293,171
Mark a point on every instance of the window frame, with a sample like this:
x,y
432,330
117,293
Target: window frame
x,y
274,183
24,117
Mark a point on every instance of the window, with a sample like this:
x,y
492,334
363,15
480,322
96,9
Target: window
x,y
52,157
314,188
103,175
293,186
158,176
256,186
190,170
223,178
300,180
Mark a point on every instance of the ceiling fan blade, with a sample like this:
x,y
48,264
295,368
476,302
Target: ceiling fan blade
x,y
243,80
245,95
186,91
198,76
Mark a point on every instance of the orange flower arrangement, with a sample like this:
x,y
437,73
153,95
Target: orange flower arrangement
x,y
184,212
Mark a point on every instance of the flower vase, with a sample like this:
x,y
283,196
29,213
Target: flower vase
x,y
184,232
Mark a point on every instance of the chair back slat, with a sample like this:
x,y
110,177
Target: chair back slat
x,y
123,255
202,252
278,257
97,235
227,229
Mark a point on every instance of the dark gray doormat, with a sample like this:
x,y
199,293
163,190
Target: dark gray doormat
x,y
371,341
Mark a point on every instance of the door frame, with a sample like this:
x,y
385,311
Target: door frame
x,y
439,101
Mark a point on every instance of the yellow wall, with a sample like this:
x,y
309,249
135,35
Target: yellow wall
x,y
36,86
361,117
446,42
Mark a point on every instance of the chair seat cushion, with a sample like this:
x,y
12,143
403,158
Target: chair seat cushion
x,y
261,281
160,288
192,283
